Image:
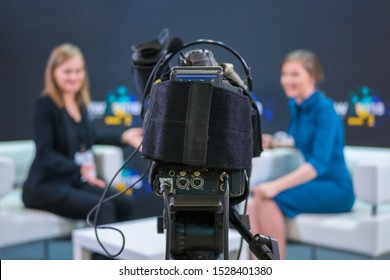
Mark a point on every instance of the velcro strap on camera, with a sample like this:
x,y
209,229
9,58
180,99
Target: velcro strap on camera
x,y
195,123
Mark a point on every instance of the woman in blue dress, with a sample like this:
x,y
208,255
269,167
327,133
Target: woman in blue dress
x,y
322,184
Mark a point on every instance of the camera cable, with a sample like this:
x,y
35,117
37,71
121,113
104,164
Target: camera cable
x,y
226,215
164,189
103,199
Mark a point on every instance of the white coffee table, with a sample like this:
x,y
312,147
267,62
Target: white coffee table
x,y
141,241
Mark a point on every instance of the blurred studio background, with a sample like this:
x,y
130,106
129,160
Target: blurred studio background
x,y
350,37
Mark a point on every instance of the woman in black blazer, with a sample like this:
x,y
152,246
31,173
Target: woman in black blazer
x,y
62,177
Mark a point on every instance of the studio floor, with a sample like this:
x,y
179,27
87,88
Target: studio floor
x,y
62,250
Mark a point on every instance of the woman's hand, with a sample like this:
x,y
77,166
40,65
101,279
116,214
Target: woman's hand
x,y
133,136
267,140
266,190
87,173
278,140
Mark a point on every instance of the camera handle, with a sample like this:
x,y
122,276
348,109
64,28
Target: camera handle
x,y
177,45
263,247
245,66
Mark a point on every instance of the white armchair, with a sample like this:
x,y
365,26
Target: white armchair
x,y
22,225
7,175
366,229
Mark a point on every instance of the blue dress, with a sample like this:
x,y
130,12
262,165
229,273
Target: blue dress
x,y
319,135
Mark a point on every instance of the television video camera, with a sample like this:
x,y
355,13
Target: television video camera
x,y
201,130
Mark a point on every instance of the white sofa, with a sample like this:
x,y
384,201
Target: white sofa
x,y
19,224
366,229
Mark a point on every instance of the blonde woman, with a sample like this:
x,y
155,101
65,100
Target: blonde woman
x,y
62,178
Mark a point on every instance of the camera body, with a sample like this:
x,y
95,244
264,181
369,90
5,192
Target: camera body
x,y
191,180
201,135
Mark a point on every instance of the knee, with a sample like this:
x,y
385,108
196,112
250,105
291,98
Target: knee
x,y
250,209
259,203
256,201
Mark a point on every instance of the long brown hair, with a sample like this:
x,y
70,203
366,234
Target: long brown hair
x,y
59,55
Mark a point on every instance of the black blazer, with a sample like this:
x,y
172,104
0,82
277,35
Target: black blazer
x,y
53,169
